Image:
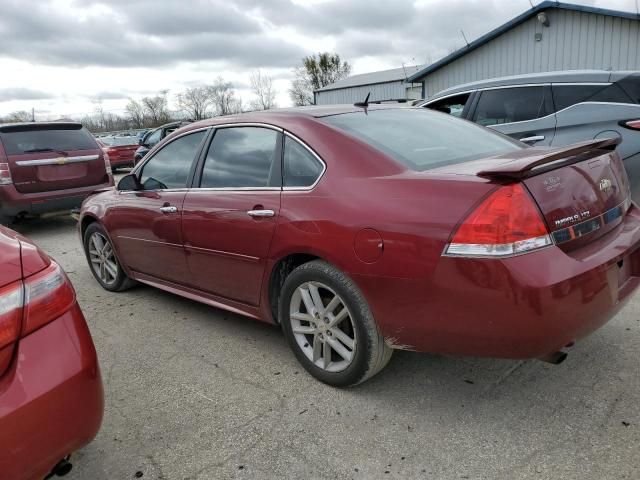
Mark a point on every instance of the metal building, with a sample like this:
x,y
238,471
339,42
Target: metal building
x,y
388,85
552,36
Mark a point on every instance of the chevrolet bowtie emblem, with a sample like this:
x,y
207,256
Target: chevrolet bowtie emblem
x,y
61,160
605,184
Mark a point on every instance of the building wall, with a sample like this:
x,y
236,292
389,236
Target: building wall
x,y
573,41
380,91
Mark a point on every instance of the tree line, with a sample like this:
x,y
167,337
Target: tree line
x,y
216,99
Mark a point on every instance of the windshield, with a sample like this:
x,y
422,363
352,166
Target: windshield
x,y
421,139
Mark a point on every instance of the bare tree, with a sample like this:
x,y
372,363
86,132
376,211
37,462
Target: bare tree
x,y
196,102
156,108
262,87
18,117
301,92
224,98
135,113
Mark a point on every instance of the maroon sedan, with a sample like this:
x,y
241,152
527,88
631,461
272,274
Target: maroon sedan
x,y
361,231
51,399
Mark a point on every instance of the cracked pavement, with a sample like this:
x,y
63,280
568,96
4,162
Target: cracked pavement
x,y
193,392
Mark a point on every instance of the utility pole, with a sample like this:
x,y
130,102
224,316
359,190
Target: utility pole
x,y
33,114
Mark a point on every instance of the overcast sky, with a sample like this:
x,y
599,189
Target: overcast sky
x,y
61,56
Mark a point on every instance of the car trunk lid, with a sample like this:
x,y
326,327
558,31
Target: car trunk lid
x,y
52,156
582,190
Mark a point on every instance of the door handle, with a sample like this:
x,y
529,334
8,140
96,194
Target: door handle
x,y
533,139
169,209
261,213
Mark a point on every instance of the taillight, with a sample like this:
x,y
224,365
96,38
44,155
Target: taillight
x,y
47,295
508,222
631,124
107,162
10,313
5,174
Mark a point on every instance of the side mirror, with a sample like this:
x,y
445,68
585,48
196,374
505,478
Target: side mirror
x,y
129,183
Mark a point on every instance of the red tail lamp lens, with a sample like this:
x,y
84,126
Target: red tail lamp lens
x,y
506,223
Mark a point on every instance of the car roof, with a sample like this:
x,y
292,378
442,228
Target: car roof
x,y
287,114
4,127
566,76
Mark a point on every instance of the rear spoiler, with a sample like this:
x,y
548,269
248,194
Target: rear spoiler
x,y
529,166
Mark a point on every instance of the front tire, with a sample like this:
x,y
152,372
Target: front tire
x,y
330,327
102,260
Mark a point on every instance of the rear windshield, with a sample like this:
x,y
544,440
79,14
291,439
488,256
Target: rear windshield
x,y
17,142
119,141
422,139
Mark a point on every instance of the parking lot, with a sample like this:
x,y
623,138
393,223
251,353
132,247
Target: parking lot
x,y
193,392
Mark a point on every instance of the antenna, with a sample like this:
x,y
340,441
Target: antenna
x,y
364,104
465,37
531,3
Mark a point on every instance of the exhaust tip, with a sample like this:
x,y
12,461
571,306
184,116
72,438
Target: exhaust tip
x,y
555,358
61,469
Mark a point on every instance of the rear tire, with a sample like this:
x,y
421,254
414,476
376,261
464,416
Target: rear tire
x,y
103,263
329,326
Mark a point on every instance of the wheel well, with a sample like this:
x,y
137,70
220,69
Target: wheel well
x,y
86,221
279,274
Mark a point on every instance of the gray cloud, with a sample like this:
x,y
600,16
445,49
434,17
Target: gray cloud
x,y
141,33
9,94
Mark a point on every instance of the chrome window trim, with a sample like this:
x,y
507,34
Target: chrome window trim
x,y
552,114
56,161
314,154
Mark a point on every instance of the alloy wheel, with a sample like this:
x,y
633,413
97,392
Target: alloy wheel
x,y
323,326
102,258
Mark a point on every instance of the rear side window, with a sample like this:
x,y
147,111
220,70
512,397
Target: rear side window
x,y
301,167
242,157
451,105
631,86
566,95
421,139
17,142
508,105
170,167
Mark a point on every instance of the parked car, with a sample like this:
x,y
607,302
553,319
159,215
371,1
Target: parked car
x,y
120,150
153,137
361,231
555,109
46,167
51,396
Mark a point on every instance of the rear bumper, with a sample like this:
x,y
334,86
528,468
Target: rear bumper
x,y
521,307
13,202
51,400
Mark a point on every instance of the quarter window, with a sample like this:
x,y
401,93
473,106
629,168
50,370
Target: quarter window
x,y
452,105
301,168
169,168
507,105
242,157
566,95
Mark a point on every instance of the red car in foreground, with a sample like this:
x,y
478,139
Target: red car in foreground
x,y
364,230
51,398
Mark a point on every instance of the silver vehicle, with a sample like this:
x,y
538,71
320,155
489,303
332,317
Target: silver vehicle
x,y
555,108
